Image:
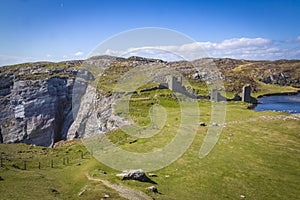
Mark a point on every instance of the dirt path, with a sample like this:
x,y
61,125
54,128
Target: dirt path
x,y
123,191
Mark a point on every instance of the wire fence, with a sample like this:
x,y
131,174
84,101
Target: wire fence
x,y
42,162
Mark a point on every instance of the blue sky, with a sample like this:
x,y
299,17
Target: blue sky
x,y
70,29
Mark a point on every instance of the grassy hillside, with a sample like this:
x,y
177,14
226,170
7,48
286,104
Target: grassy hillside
x,y
257,156
63,181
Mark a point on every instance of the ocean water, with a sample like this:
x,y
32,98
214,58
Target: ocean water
x,y
284,103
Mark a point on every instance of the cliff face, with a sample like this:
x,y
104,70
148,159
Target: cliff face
x,y
36,109
42,103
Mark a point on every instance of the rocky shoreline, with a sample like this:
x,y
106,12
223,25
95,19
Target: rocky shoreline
x,y
279,93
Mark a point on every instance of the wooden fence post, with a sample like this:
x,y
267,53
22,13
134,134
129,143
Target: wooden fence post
x,y
51,163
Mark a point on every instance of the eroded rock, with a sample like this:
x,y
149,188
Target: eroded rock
x,y
152,189
135,174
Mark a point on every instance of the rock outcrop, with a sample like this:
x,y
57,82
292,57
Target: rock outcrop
x,y
153,189
135,174
36,109
42,103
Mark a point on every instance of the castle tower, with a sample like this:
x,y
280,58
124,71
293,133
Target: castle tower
x,y
246,95
172,83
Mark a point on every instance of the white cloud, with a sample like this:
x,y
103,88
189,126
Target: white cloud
x,y
79,53
291,41
239,48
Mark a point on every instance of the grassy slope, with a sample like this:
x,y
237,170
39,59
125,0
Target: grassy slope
x,y
33,183
257,159
271,89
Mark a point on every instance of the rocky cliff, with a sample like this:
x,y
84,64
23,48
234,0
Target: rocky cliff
x,y
42,103
36,102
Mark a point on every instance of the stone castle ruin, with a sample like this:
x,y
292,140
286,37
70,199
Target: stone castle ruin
x,y
246,95
215,96
175,85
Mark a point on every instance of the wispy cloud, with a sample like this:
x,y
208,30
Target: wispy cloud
x,y
10,60
239,48
79,53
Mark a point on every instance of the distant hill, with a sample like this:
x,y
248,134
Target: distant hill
x,y
37,99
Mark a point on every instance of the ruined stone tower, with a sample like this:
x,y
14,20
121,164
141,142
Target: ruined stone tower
x,y
246,95
175,84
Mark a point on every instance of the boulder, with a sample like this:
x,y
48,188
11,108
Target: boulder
x,y
135,174
202,124
152,189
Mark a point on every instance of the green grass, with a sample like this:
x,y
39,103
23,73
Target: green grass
x,y
40,69
271,89
34,183
259,159
199,87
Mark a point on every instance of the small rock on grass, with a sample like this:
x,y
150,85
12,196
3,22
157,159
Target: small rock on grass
x,y
214,124
152,189
54,191
202,124
102,171
152,175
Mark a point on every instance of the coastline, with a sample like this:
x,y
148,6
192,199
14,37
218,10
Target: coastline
x,y
278,93
282,94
